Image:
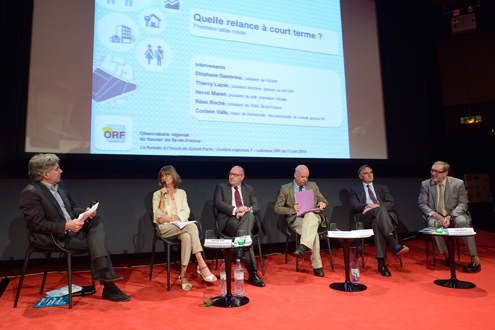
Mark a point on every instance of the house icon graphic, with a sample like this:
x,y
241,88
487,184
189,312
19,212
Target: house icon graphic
x,y
153,21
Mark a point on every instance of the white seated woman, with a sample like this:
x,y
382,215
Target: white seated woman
x,y
170,205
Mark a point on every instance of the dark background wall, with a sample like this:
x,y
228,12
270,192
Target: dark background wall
x,y
430,79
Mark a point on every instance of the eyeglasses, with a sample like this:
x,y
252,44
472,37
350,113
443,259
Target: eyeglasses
x,y
235,174
437,171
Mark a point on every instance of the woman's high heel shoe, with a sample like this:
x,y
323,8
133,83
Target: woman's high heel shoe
x,y
210,278
185,286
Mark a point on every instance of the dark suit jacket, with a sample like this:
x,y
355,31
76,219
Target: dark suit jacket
x,y
222,200
43,213
357,199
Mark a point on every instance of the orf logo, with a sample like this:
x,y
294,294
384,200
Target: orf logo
x,y
114,133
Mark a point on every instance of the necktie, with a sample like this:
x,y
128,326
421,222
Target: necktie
x,y
372,196
237,196
441,203
300,188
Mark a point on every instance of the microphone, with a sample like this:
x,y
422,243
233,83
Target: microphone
x,y
93,203
164,185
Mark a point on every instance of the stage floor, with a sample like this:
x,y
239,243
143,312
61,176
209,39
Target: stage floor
x,y
291,300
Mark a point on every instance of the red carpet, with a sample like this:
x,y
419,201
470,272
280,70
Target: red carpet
x,y
407,300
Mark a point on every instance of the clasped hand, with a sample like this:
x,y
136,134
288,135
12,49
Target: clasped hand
x,y
445,220
369,207
297,207
240,211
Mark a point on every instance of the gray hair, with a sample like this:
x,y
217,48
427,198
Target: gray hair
x,y
362,168
41,163
298,167
239,166
446,166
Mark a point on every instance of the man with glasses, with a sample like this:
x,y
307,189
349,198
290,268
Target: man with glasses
x,y
444,198
373,205
237,205
307,225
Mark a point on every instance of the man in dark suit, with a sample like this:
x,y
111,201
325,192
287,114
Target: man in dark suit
x,y
237,205
451,210
306,225
49,208
372,204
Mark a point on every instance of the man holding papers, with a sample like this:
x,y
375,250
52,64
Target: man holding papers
x,y
373,205
291,198
445,199
49,208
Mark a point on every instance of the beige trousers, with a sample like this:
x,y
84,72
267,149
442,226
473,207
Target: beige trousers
x,y
307,227
189,237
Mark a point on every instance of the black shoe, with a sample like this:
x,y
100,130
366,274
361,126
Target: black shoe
x,y
113,293
399,250
318,272
255,280
472,268
106,275
384,270
299,253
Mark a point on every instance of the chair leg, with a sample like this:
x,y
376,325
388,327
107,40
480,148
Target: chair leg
x,y
427,246
286,247
152,255
168,267
48,258
261,257
362,252
23,272
69,276
397,239
92,272
433,251
330,252
297,259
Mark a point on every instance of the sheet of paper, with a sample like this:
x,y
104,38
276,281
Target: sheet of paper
x,y
63,291
306,201
350,233
182,224
460,231
83,216
218,243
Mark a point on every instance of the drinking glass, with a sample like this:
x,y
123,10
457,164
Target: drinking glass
x,y
333,226
437,224
209,234
359,225
241,237
207,298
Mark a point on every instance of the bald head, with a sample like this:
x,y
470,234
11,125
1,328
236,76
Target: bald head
x,y
301,175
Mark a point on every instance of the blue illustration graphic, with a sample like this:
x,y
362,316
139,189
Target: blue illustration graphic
x,y
112,80
123,35
152,21
172,4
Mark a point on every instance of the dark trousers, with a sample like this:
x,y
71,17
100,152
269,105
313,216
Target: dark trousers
x,y
381,222
246,223
90,238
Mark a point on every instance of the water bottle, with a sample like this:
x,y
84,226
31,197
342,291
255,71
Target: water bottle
x,y
223,280
355,269
239,279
